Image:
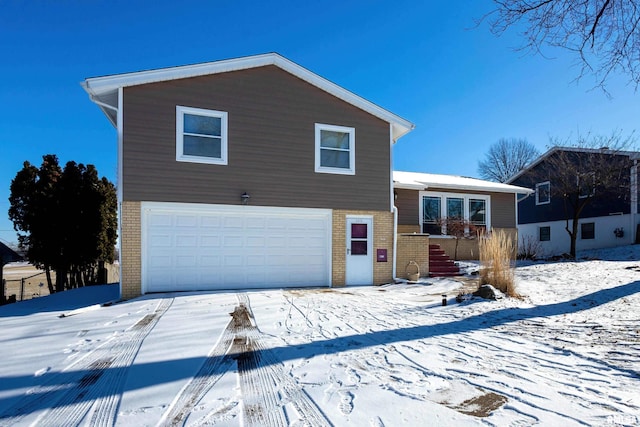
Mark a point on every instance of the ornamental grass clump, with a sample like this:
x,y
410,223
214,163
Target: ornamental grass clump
x,y
496,262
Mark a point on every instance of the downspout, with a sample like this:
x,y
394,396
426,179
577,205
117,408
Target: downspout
x,y
634,202
395,242
120,133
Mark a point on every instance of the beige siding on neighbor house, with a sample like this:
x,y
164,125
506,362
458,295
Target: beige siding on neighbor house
x,y
271,147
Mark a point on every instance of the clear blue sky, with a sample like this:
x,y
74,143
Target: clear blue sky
x,y
423,60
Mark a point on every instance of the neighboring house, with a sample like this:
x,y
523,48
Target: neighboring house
x,y
7,255
609,219
246,173
424,200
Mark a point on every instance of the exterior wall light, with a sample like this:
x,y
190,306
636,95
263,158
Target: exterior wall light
x,y
245,198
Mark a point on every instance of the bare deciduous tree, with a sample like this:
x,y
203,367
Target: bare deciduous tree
x,y
604,34
458,228
594,168
505,158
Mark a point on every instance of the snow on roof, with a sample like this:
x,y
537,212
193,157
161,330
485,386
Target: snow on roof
x,y
424,181
104,90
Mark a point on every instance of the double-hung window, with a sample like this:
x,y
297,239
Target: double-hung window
x,y
335,149
544,233
588,230
543,193
201,135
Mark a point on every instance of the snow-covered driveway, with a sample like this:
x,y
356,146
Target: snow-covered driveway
x,y
567,354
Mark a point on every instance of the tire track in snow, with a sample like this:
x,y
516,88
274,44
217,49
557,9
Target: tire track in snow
x,y
265,387
93,383
216,365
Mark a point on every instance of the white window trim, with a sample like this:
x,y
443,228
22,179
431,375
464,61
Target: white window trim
x,y
180,156
540,184
319,127
443,206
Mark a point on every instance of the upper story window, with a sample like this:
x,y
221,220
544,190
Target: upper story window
x,y
543,193
201,135
586,184
335,149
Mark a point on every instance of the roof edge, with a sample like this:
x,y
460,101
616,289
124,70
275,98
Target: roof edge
x,y
633,155
96,87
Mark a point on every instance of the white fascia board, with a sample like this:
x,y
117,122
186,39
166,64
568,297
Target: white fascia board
x,y
409,186
489,189
98,86
413,180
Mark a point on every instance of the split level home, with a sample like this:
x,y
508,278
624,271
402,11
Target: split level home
x,y
250,172
255,172
425,201
609,219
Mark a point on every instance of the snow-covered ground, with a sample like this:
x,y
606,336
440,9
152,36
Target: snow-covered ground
x,y
566,354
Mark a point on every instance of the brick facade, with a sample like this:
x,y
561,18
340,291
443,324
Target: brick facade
x,y
382,239
130,250
131,247
468,248
412,247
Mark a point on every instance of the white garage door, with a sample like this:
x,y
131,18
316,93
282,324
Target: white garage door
x,y
206,247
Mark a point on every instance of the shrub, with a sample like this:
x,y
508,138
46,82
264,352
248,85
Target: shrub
x,y
529,248
496,252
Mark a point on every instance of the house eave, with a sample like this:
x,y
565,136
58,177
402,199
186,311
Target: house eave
x,y
107,86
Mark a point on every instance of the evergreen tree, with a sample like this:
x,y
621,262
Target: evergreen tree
x,y
66,220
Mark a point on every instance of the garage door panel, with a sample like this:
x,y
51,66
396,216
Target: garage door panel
x,y
217,247
207,241
186,241
186,221
232,222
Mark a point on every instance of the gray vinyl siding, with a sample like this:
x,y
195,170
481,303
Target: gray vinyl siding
x,y
408,207
271,146
503,210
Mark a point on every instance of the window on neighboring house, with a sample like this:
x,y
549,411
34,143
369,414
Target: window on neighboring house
x,y
543,193
588,230
431,215
335,149
201,135
544,234
586,184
